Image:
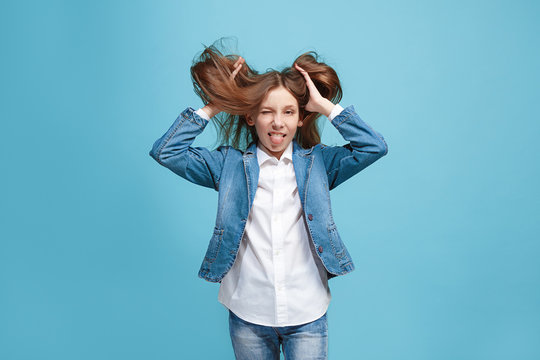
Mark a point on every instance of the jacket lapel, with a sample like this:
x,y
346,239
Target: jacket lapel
x,y
251,168
302,162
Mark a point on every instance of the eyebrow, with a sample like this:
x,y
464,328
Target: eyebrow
x,y
286,106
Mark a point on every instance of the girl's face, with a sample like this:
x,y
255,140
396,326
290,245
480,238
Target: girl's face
x,y
276,121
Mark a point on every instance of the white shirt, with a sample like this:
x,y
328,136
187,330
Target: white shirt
x,y
277,278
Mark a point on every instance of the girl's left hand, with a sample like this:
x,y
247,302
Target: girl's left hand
x,y
316,103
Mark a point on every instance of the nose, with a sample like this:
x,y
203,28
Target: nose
x,y
278,121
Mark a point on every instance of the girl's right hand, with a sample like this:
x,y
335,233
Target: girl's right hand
x,y
237,66
210,109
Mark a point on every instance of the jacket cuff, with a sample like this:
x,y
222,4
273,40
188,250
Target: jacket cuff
x,y
336,110
343,115
202,114
192,115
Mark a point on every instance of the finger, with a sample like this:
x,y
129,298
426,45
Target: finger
x,y
309,82
300,69
236,71
239,61
303,72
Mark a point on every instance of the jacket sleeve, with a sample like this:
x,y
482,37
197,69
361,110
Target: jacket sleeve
x,y
196,164
364,148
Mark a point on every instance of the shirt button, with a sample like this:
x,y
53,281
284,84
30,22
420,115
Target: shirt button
x,y
310,217
320,249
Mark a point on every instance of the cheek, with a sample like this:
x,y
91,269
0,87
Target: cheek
x,y
261,130
294,124
262,125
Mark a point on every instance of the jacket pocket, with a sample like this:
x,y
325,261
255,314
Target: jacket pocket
x,y
214,245
335,241
337,246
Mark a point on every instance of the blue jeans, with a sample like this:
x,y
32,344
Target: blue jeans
x,y
257,342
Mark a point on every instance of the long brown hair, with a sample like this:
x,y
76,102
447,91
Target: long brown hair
x,y
242,97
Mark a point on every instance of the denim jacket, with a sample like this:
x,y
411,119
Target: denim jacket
x,y
234,174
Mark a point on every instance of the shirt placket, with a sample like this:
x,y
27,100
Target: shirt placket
x,y
277,244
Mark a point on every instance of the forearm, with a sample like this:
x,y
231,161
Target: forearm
x,y
326,107
196,164
364,147
179,136
361,136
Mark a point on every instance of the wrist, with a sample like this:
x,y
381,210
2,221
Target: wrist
x,y
210,110
326,107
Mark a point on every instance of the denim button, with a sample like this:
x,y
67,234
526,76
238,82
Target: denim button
x,y
310,217
320,249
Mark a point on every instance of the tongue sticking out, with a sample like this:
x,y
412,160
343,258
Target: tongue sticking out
x,y
276,139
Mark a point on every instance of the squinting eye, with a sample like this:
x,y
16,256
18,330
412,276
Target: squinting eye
x,y
265,112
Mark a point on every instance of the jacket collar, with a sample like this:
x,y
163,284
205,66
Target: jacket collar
x,y
262,156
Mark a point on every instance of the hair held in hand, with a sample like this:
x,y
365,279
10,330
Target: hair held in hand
x,y
211,75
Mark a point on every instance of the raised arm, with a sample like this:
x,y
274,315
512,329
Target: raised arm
x,y
196,164
365,144
364,148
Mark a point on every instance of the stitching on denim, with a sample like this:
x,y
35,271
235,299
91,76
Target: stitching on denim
x,y
330,229
196,157
225,154
347,267
193,118
219,232
247,182
305,199
327,188
185,116
160,149
346,118
230,264
314,245
307,152
308,176
381,138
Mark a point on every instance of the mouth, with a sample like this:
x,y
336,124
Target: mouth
x,y
276,134
276,138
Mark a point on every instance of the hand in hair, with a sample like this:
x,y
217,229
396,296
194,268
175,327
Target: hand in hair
x,y
210,108
316,103
237,66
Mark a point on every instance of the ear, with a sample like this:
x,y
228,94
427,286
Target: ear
x,y
249,120
300,123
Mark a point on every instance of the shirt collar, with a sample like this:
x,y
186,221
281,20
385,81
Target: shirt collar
x,y
262,156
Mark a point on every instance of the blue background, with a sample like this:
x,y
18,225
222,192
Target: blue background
x,y
100,246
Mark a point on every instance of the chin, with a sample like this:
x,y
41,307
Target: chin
x,y
278,147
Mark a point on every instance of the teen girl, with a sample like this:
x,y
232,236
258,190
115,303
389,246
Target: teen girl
x,y
275,243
